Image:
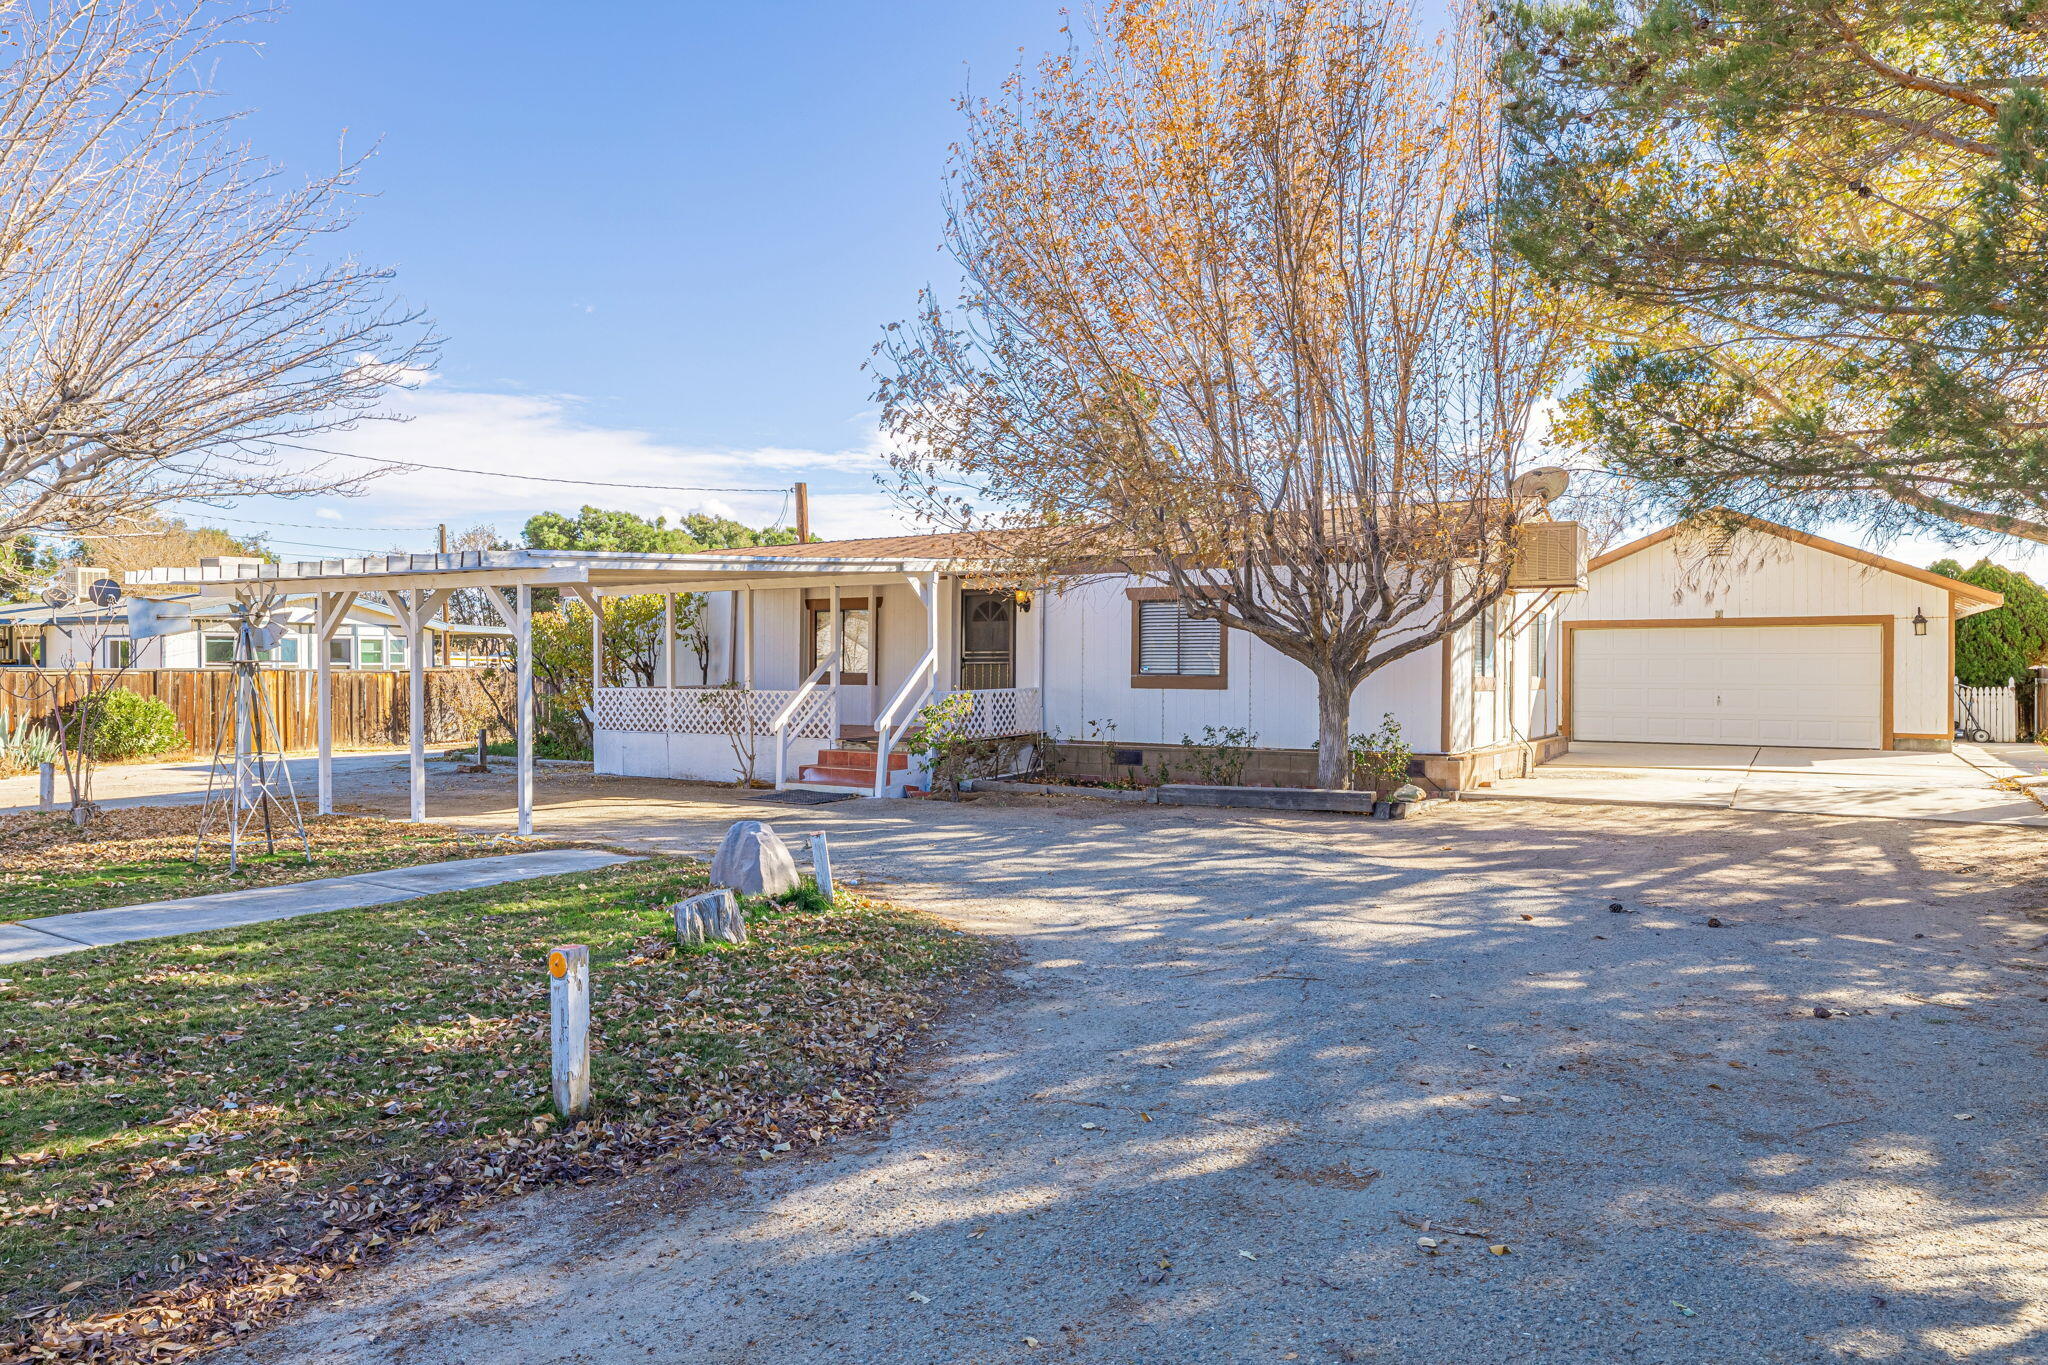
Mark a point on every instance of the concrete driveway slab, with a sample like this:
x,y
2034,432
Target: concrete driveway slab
x,y
1605,754
1933,769
231,909
1852,783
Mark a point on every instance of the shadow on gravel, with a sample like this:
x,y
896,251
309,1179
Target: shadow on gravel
x,y
1252,1055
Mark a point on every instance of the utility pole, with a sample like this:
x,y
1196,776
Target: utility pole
x,y
803,513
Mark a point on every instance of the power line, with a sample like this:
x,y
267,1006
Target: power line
x,y
543,478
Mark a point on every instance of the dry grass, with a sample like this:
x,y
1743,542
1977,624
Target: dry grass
x,y
199,1131
134,854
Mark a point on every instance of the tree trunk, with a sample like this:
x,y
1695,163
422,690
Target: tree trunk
x,y
1333,730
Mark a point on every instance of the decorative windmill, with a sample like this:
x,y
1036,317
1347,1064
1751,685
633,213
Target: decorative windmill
x,y
250,784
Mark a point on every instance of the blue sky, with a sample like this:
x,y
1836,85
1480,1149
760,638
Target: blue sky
x,y
659,239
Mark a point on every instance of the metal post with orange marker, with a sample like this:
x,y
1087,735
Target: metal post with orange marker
x,y
569,1027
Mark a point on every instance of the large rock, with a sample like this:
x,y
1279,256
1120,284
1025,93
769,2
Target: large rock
x,y
753,860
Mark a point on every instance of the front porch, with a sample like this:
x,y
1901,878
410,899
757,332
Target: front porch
x,y
797,737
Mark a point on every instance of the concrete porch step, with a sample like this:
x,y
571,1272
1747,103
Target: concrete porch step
x,y
858,758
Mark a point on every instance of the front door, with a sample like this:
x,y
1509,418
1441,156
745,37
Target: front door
x,y
988,640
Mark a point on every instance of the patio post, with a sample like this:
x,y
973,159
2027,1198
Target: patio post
x,y
747,638
596,606
931,623
414,608
522,624
835,640
330,609
668,640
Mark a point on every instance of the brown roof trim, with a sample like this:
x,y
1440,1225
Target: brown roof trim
x,y
1953,586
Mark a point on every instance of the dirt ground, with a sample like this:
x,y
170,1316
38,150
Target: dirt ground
x,y
1247,1055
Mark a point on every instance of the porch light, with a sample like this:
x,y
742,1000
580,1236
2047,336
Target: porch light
x,y
1022,597
1919,621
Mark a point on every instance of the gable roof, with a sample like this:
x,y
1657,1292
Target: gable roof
x,y
1969,592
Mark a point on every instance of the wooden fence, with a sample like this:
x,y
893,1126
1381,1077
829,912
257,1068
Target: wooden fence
x,y
371,710
1994,709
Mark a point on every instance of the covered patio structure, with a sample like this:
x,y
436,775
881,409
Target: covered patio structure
x,y
801,662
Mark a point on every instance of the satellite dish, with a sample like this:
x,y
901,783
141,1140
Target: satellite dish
x,y
104,592
1547,484
56,595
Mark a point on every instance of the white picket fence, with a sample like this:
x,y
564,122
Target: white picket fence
x,y
1996,709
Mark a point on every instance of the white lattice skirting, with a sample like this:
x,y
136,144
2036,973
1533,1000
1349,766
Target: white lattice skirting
x,y
729,710
709,711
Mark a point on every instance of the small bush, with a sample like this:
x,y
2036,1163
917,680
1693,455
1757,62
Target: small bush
x,y
121,724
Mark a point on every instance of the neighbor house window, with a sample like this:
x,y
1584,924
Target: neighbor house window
x,y
1539,650
1171,646
285,651
370,652
395,651
1485,641
341,651
217,649
118,653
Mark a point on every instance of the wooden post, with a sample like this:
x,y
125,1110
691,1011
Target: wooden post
x,y
747,639
596,605
412,618
803,513
522,610
46,787
821,864
668,639
835,640
569,1027
330,609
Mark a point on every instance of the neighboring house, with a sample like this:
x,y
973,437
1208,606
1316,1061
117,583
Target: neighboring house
x,y
1762,635
32,635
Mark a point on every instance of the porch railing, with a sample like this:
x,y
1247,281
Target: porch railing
x,y
999,711
796,712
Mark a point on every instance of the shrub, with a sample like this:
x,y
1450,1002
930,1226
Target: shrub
x,y
1383,754
121,724
1994,647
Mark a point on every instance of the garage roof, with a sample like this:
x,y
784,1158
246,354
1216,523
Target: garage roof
x,y
1979,599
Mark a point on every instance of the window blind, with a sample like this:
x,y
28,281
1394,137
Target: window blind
x,y
1172,642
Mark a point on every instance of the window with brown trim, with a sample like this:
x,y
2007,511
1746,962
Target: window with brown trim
x,y
856,621
1172,647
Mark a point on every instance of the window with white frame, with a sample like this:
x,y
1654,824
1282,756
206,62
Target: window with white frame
x,y
1173,647
1485,643
216,650
117,652
1539,650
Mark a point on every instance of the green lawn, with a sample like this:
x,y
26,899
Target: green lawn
x,y
134,854
240,1113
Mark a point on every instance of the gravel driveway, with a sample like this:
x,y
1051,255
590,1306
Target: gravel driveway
x,y
1242,1053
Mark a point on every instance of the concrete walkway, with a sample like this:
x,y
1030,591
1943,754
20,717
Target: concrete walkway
x,y
1960,786
72,933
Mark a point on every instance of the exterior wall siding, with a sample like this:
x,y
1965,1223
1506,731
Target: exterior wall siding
x,y
1763,575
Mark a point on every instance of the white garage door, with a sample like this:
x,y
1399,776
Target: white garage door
x,y
1818,686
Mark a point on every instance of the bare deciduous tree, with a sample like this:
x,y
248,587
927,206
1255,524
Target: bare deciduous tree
x,y
166,329
1236,321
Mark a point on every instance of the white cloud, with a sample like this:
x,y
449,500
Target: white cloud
x,y
544,437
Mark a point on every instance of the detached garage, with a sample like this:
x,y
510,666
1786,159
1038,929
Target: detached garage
x,y
1762,635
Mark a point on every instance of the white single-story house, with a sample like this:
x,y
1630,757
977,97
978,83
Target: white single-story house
x,y
811,659
1753,633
